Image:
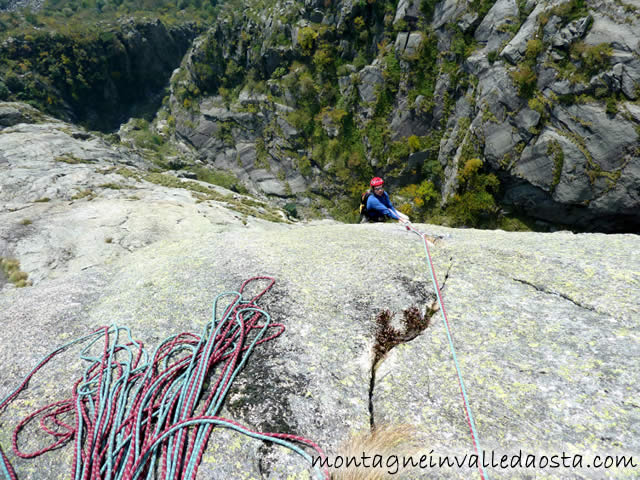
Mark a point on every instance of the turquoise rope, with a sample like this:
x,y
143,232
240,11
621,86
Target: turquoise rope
x,y
106,398
476,439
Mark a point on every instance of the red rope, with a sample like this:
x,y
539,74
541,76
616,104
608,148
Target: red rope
x,y
222,351
446,319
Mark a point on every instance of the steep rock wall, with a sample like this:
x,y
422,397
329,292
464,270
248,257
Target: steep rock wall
x,y
544,93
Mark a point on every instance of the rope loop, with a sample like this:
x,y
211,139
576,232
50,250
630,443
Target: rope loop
x,y
137,416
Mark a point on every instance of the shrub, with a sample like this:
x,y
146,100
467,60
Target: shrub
x,y
594,58
421,198
414,143
291,209
304,166
554,150
537,105
534,48
306,39
322,59
387,336
4,91
513,224
13,82
279,72
221,178
571,10
11,268
427,8
525,79
474,204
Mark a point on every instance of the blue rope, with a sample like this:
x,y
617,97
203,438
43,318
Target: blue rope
x,y
474,433
112,385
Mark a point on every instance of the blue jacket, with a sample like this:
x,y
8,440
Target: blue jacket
x,y
381,206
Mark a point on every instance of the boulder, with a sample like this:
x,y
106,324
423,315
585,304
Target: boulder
x,y
516,48
536,164
413,43
468,20
620,36
408,10
447,11
574,31
11,115
490,31
407,121
370,78
500,139
609,138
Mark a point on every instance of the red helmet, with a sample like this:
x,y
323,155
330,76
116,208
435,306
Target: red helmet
x,y
376,182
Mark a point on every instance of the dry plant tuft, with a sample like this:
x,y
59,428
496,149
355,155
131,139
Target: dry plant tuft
x,y
387,336
383,447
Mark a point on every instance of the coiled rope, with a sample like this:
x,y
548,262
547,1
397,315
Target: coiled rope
x,y
445,320
134,415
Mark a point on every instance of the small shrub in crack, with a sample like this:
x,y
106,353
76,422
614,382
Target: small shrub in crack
x,y
414,321
388,336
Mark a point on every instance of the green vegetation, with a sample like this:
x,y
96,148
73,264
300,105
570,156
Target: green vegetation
x,y
113,186
427,8
474,203
554,150
71,54
291,210
72,160
74,16
306,39
481,7
88,194
11,268
336,132
592,59
569,11
244,205
525,79
421,199
217,177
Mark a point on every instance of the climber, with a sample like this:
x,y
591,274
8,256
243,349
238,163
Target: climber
x,y
375,205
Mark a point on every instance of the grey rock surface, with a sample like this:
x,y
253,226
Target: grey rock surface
x,y
514,51
490,31
542,324
572,32
407,10
370,78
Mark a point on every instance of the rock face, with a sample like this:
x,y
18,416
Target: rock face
x,y
543,324
66,197
105,80
579,60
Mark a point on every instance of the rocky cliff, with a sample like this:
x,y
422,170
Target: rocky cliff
x,y
544,324
489,107
98,77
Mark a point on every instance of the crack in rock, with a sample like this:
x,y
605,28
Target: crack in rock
x,y
551,292
393,337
